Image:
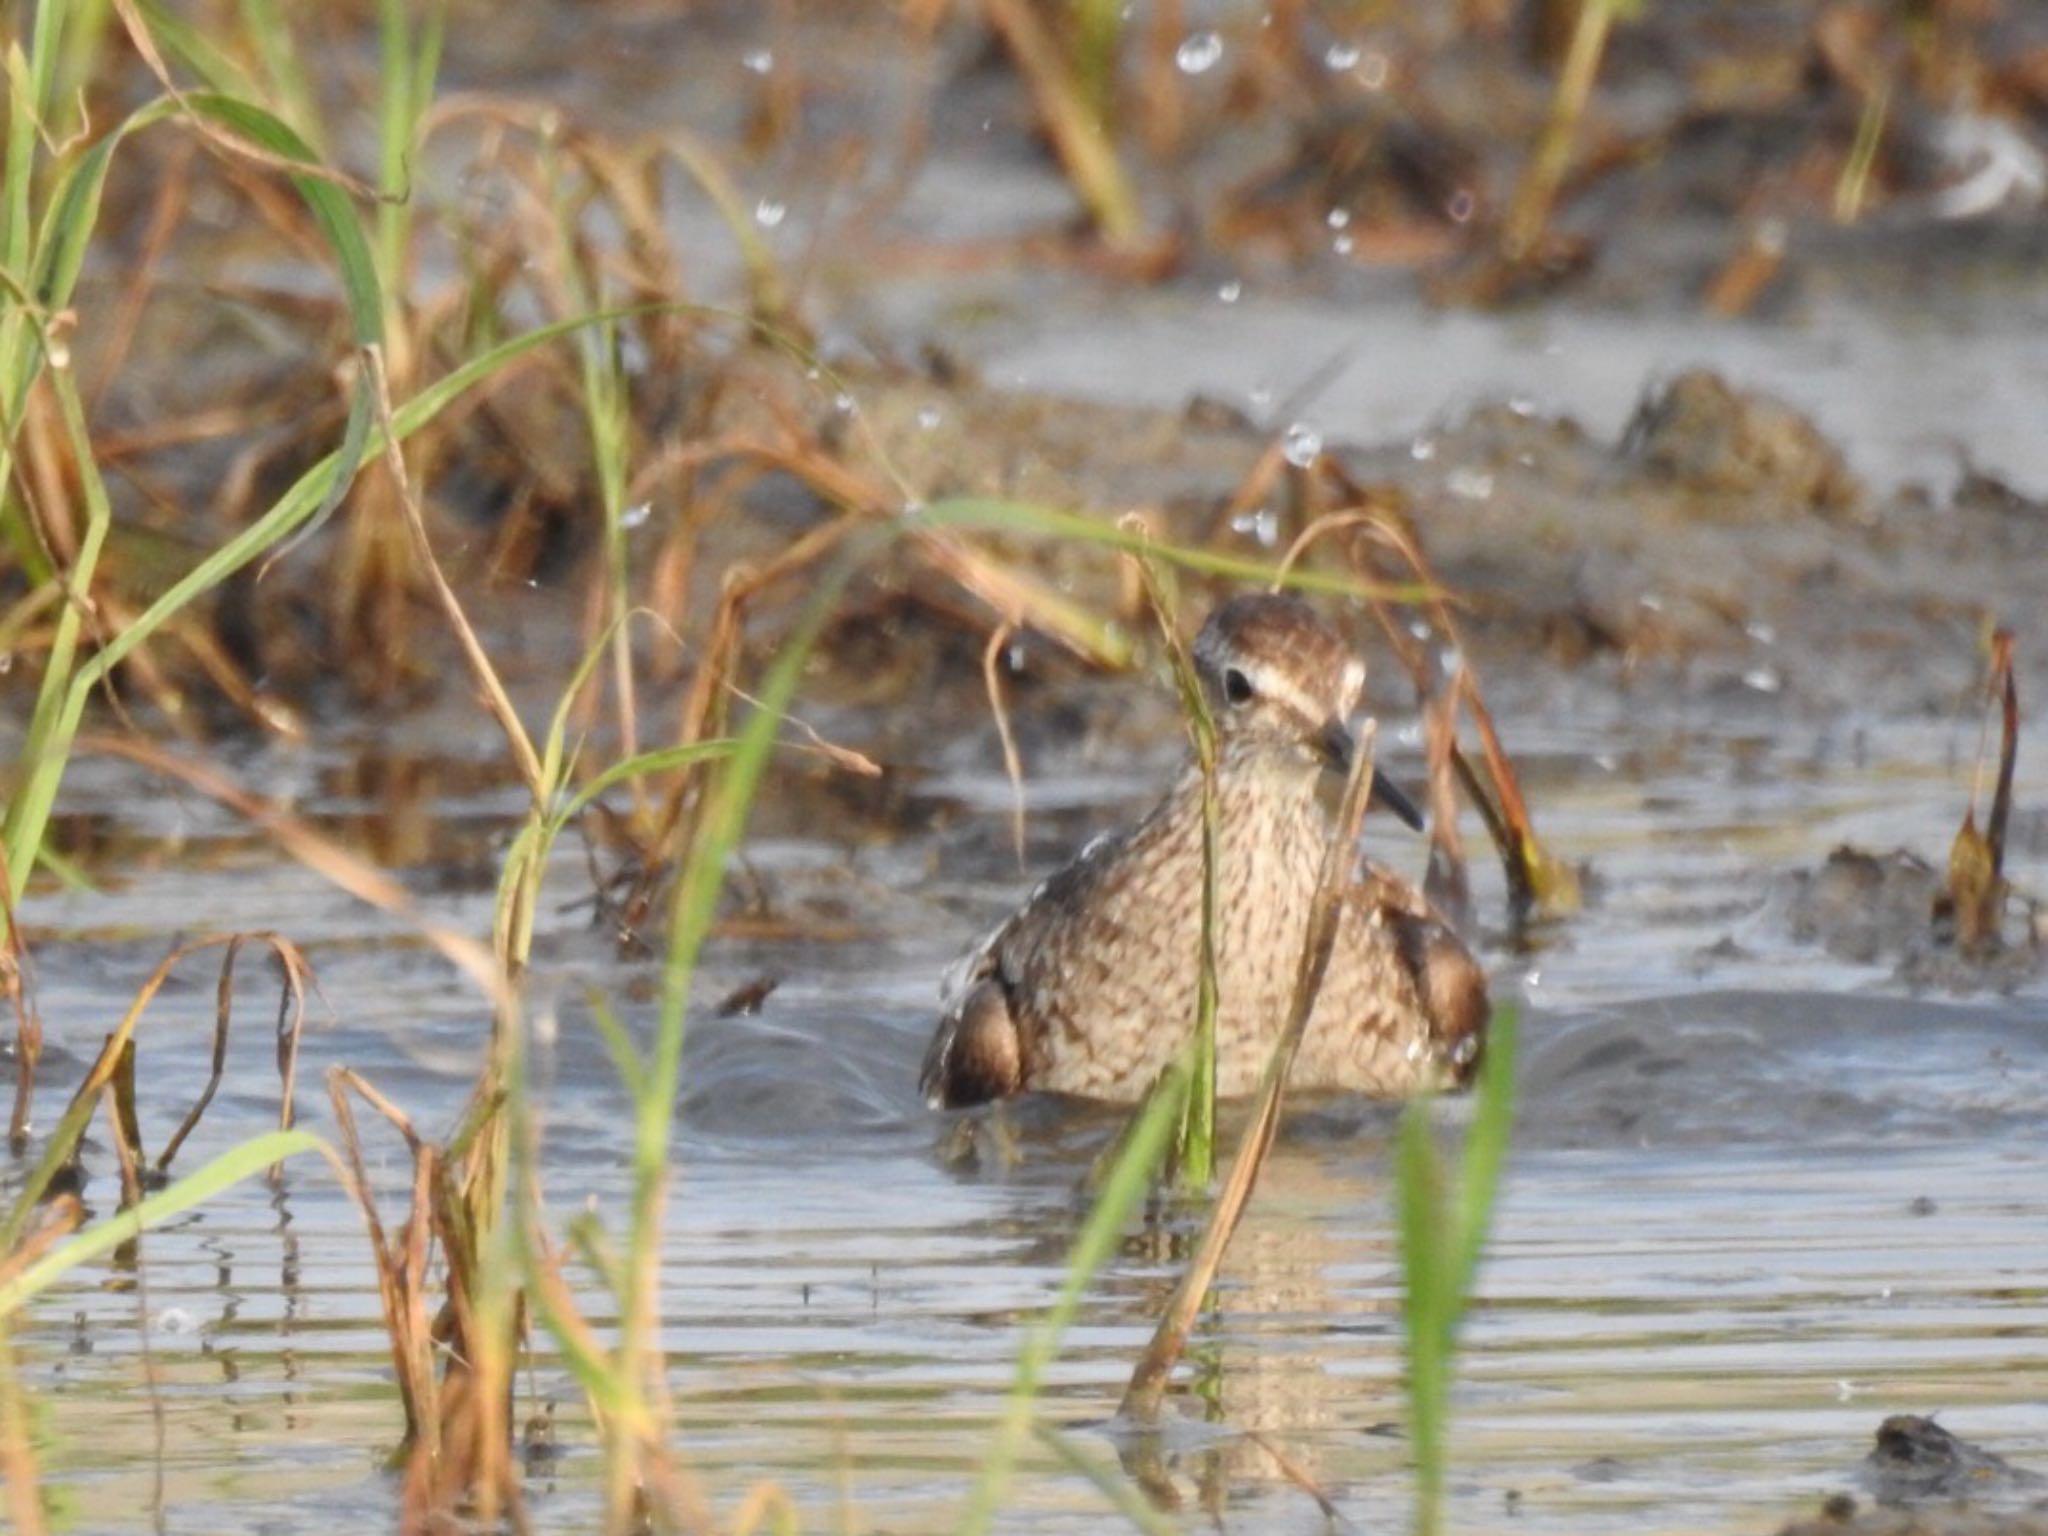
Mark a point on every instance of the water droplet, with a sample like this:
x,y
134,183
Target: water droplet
x,y
1651,601
1342,56
1231,291
1761,633
1372,73
1302,445
1422,449
1337,218
1460,206
636,516
1522,406
843,403
1260,398
1013,658
913,509
928,417
1465,1050
768,212
758,61
1342,245
1469,484
1198,53
1763,679
1261,523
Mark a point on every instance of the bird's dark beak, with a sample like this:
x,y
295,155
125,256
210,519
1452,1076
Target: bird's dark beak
x,y
1334,747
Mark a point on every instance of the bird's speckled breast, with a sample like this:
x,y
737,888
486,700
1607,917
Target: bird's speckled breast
x,y
1104,964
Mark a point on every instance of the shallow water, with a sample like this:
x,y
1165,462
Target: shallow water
x,y
1760,1197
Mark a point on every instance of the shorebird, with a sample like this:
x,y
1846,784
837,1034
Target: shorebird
x,y
1089,988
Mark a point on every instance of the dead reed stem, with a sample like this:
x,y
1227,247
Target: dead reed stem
x,y
485,675
322,855
114,1060
17,1456
1529,214
1077,134
1013,766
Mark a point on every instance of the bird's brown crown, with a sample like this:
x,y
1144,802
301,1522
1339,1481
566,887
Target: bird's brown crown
x,y
1269,658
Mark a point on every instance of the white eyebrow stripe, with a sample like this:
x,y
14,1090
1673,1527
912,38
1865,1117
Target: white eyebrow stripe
x,y
1275,684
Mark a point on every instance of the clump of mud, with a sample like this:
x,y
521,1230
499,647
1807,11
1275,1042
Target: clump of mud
x,y
1929,1482
1886,908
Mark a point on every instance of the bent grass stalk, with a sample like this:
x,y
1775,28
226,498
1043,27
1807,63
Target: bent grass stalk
x,y
1149,1377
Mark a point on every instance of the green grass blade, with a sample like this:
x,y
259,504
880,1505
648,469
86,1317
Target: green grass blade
x,y
655,760
1122,1190
1443,1233
1427,1307
328,204
196,1188
30,813
1486,1150
282,61
197,51
724,821
1052,523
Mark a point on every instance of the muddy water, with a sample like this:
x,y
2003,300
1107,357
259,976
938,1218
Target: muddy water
x,y
1760,1197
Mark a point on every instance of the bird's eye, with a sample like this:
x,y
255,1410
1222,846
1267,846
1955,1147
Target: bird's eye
x,y
1237,687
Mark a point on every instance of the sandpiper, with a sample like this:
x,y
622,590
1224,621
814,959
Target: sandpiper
x,y
1089,988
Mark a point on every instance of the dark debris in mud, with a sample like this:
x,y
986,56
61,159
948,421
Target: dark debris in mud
x,y
1927,1481
1871,909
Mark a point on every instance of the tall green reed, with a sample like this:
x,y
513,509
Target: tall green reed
x,y
1195,1147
